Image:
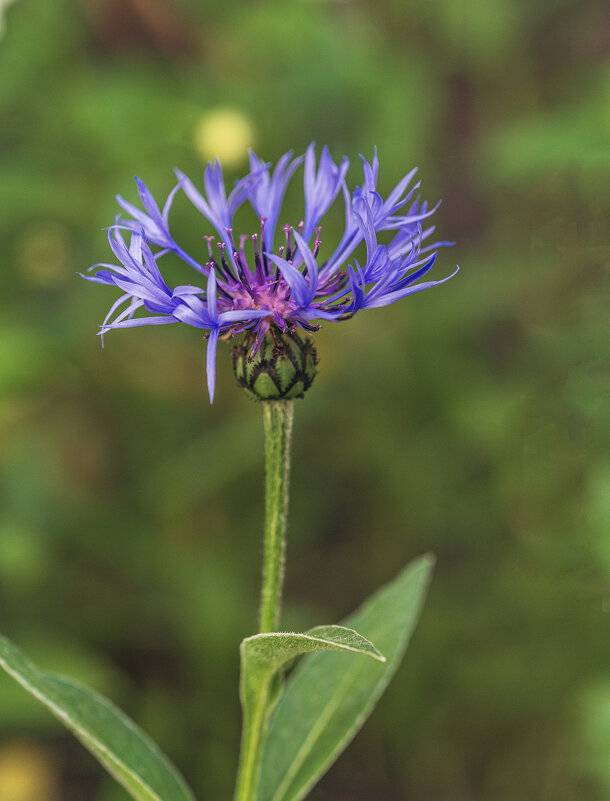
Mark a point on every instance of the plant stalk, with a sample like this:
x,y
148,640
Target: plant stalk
x,y
278,416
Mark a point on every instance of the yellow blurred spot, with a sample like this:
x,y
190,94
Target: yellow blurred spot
x,y
226,134
26,773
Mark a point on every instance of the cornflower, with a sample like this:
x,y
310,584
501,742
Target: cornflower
x,y
269,282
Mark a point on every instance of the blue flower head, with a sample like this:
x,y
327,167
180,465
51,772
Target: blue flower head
x,y
281,280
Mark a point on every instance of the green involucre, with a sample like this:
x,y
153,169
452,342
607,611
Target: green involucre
x,y
283,368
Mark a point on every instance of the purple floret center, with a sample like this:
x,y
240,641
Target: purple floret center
x,y
251,281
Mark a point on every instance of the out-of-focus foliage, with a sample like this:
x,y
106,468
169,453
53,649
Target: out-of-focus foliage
x,y
470,420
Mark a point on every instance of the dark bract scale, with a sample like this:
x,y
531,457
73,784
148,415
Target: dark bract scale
x,y
282,368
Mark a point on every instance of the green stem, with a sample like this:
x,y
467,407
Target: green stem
x,y
278,433
278,417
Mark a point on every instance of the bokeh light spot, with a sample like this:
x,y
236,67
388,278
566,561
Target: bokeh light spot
x,y
26,773
226,134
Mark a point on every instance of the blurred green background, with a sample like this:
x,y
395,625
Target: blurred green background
x,y
471,420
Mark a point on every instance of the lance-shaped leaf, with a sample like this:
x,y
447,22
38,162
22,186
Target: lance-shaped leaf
x,y
262,656
123,749
327,699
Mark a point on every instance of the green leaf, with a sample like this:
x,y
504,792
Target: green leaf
x,y
262,656
328,698
123,749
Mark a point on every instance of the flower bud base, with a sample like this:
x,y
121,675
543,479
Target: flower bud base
x,y
283,367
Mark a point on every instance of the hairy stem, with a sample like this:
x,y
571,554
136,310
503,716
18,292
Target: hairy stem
x,y
278,417
278,433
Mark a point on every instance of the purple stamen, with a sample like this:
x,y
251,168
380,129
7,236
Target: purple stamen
x,y
242,275
225,265
288,229
263,257
209,240
230,235
258,264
